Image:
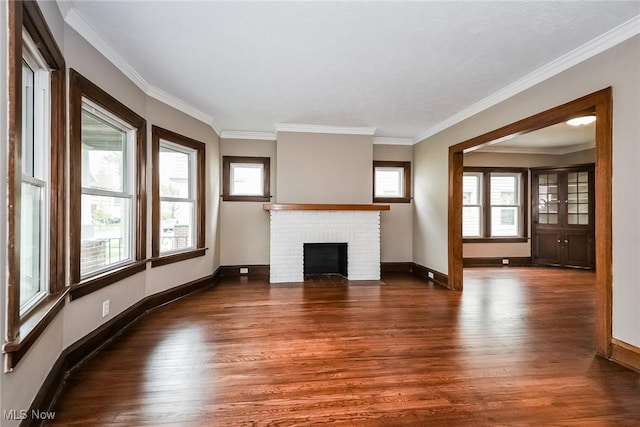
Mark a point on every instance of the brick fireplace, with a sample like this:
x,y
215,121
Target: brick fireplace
x,y
293,225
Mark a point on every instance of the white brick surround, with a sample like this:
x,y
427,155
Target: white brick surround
x,y
291,229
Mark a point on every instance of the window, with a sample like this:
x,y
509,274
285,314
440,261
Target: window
x,y
35,185
108,188
35,181
245,179
108,191
471,204
178,197
391,182
494,203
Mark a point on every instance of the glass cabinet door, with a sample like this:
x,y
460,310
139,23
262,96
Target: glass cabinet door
x,y
548,200
578,198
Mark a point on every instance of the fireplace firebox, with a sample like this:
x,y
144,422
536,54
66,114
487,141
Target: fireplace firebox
x,y
325,258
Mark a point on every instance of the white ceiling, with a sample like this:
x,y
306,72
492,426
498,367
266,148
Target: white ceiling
x,y
557,139
404,68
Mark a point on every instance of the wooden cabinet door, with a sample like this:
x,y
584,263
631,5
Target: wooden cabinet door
x,y
579,249
562,217
547,248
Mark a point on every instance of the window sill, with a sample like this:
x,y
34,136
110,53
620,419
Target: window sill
x,y
495,240
229,198
92,284
177,257
33,325
392,200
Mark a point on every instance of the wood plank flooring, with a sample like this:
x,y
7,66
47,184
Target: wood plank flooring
x,y
515,348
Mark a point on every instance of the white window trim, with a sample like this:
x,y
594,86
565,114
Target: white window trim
x,y
479,205
517,198
401,179
129,181
232,168
42,158
193,192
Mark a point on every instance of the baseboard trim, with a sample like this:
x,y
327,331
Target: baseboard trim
x,y
497,262
625,354
396,267
83,349
264,269
423,272
253,270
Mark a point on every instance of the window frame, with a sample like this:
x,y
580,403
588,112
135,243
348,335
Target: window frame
x,y
80,89
485,211
226,179
158,135
128,190
406,170
479,205
22,329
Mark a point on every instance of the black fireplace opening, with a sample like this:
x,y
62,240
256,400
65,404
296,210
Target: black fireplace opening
x,y
325,258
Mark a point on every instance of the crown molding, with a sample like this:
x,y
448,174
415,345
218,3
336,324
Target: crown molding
x,y
554,151
65,7
389,140
239,134
598,45
293,127
79,23
180,105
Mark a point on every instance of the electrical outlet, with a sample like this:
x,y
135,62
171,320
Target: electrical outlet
x,y
244,270
505,261
105,308
430,275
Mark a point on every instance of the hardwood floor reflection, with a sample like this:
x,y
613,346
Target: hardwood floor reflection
x,y
515,348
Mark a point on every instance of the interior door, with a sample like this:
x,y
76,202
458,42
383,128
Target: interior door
x,y
563,216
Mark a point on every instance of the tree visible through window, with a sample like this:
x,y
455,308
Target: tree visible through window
x,y
107,191
107,185
178,197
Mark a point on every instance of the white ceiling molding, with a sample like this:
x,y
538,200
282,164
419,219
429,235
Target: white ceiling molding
x,y
79,23
385,140
180,105
65,7
238,134
599,44
292,127
554,151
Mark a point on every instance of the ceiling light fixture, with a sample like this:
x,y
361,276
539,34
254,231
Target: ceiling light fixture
x,y
581,121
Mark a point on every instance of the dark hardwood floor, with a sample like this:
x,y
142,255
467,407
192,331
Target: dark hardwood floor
x,y
515,348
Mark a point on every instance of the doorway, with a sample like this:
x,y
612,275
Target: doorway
x,y
598,103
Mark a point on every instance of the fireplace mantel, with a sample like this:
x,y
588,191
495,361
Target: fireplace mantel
x,y
322,207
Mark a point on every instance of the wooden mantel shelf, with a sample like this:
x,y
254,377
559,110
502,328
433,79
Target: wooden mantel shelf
x,y
322,207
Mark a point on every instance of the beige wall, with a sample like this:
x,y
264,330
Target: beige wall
x,y
618,67
81,316
324,168
244,226
396,225
579,157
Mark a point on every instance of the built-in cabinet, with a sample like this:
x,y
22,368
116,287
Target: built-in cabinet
x,y
563,216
